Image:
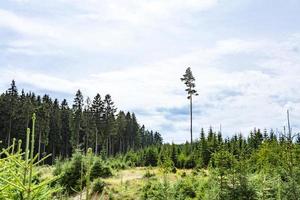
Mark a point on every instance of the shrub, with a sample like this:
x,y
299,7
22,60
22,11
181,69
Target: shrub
x,y
71,173
190,162
157,190
132,158
168,166
181,160
98,186
100,169
150,157
106,172
118,163
184,189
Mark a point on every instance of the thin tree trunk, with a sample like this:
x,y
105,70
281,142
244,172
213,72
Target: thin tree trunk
x,y
120,145
53,153
107,146
78,134
9,132
39,147
133,144
87,142
191,114
111,146
44,151
67,147
96,145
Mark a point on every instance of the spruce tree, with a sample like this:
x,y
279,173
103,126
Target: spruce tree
x,y
98,114
12,104
65,128
77,119
109,121
55,138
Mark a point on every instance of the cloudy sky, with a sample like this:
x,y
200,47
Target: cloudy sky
x,y
245,56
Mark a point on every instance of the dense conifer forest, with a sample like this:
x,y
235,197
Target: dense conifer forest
x,y
61,128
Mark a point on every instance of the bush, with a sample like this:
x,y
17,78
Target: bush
x,y
181,160
71,173
190,162
169,166
132,158
100,169
98,186
157,190
106,172
184,189
151,157
118,163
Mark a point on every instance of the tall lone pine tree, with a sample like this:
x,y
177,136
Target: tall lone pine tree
x,y
189,81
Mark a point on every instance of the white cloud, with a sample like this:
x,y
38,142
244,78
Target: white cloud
x,y
253,87
239,100
95,26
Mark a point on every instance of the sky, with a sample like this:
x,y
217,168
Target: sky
x,y
244,54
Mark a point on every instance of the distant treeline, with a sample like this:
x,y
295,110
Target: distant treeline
x,y
263,165
60,129
201,153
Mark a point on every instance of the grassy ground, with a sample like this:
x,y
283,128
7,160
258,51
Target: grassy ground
x,y
127,184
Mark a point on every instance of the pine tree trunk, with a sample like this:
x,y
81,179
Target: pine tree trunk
x,y
78,134
39,147
133,144
87,142
53,153
120,145
191,114
96,145
107,146
44,151
67,148
111,146
9,132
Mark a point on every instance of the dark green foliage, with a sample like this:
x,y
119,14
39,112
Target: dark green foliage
x,y
71,173
98,186
190,162
100,169
61,129
74,173
150,157
157,191
185,188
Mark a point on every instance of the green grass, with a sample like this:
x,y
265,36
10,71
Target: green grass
x,y
127,184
